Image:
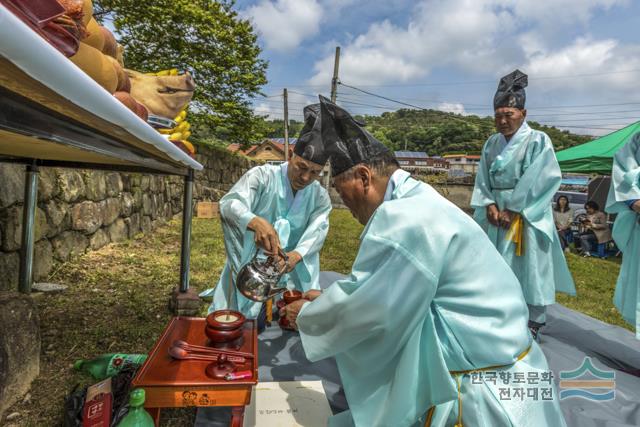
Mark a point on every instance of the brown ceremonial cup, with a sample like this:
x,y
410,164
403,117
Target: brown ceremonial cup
x,y
291,296
287,298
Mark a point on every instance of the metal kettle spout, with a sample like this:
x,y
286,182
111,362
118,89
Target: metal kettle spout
x,y
276,291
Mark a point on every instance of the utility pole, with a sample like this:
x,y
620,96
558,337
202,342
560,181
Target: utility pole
x,y
286,125
334,94
334,80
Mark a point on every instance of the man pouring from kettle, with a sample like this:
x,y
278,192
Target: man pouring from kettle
x,y
279,209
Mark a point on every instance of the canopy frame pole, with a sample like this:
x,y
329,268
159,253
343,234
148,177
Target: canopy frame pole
x,y
187,215
25,277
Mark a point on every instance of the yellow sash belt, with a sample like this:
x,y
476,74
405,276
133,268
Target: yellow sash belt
x,y
460,374
516,234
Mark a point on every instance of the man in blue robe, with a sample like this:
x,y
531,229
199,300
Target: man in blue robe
x,y
430,312
517,178
276,206
624,200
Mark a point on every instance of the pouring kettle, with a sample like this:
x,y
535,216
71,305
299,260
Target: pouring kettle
x,y
257,280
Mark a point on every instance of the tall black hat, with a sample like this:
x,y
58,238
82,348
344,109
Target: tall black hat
x,y
310,145
347,142
510,91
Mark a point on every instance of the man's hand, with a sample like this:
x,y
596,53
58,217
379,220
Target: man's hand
x,y
506,217
291,311
312,294
265,235
294,259
636,206
493,215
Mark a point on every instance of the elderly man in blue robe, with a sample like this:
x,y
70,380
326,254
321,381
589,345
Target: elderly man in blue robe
x,y
275,207
430,312
517,178
624,200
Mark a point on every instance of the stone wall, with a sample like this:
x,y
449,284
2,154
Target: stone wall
x,y
80,210
458,194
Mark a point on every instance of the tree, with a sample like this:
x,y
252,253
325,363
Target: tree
x,y
204,36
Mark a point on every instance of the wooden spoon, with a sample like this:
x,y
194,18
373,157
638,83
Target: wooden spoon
x,y
182,354
210,350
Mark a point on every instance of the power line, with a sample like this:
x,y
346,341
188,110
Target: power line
x,y
585,127
366,105
280,103
580,113
467,104
428,101
380,96
591,119
533,115
460,83
304,94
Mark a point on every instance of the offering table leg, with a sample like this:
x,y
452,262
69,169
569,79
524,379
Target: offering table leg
x,y
237,416
155,414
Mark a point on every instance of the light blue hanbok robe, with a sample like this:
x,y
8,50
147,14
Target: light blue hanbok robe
x,y
302,223
428,294
625,186
523,175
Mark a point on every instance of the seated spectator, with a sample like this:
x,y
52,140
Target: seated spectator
x,y
563,216
596,231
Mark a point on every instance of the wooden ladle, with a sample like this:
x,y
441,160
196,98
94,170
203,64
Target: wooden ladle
x,y
209,350
182,354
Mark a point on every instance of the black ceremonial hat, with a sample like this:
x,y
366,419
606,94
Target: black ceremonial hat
x,y
510,91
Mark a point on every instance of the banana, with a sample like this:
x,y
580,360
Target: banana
x,y
189,146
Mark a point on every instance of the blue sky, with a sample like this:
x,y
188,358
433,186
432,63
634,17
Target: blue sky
x,y
582,56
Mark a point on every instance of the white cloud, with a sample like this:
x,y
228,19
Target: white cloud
x,y
488,37
284,24
601,65
555,13
452,107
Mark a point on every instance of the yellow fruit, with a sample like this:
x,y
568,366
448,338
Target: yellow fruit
x,y
189,146
178,119
165,131
186,135
97,65
184,126
183,114
95,37
176,136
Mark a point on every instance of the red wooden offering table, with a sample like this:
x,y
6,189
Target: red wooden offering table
x,y
170,383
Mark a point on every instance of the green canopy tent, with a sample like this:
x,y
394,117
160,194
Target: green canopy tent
x,y
595,156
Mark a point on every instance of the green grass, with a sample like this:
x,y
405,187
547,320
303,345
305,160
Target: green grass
x,y
117,302
340,248
595,281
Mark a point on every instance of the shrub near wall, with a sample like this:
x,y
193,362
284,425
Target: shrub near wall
x,y
80,210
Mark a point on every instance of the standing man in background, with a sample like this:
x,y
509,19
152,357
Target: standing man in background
x,y
276,207
516,181
624,199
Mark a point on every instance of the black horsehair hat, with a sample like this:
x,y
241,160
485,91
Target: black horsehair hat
x,y
510,91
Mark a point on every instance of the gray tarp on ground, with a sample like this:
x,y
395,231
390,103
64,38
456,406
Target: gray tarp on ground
x,y
567,339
